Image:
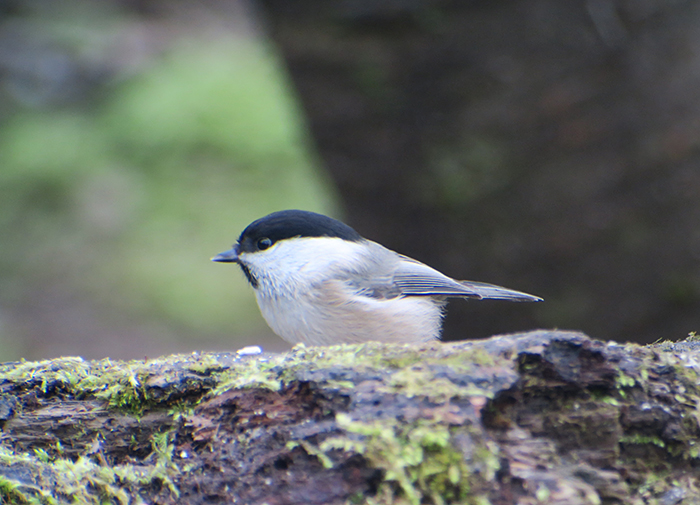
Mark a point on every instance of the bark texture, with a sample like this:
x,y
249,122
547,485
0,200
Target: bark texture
x,y
540,417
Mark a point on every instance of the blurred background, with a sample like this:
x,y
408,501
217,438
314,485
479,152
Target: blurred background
x,y
551,147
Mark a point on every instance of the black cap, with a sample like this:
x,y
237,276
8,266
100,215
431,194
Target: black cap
x,y
264,232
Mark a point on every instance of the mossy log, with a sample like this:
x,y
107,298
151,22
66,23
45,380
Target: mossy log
x,y
541,417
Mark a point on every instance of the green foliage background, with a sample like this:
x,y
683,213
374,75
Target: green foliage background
x,y
122,200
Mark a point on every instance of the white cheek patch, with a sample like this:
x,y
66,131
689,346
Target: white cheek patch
x,y
297,264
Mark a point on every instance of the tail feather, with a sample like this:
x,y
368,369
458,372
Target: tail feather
x,y
493,292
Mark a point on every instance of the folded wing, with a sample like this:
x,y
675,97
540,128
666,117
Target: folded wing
x,y
413,278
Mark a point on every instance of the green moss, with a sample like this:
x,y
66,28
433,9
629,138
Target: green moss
x,y
311,450
85,481
206,363
420,380
434,455
250,374
119,384
355,356
388,357
419,458
13,493
132,386
625,381
642,440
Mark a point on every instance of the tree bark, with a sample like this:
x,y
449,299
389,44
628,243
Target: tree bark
x,y
540,417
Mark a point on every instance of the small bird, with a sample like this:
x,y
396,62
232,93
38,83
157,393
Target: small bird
x,y
318,282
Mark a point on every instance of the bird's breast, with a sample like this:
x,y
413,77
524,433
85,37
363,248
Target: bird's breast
x,y
331,312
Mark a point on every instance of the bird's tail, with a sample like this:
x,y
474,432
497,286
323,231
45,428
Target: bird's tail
x,y
493,292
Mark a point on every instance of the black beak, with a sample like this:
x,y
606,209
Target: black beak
x,y
230,256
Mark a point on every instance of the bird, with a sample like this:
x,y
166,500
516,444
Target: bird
x,y
317,281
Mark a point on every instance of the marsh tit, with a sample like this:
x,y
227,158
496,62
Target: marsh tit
x,y
317,281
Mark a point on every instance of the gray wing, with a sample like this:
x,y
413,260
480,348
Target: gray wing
x,y
413,278
385,274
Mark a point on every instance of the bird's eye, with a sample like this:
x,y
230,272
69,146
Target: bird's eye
x,y
264,243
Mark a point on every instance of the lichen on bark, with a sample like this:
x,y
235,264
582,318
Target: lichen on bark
x,y
539,417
